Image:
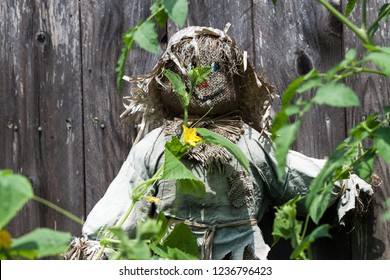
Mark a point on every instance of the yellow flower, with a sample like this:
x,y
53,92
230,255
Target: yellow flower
x,y
190,136
153,199
5,239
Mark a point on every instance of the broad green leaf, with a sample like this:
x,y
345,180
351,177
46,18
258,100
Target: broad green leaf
x,y
191,187
286,225
183,240
178,86
174,169
274,2
159,12
338,158
319,232
146,37
15,192
382,60
176,147
364,166
216,139
384,13
337,95
285,138
350,55
163,225
320,203
41,242
382,143
289,93
281,118
350,7
177,10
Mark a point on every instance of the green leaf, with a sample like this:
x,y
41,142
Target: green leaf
x,y
191,187
337,95
216,139
319,232
286,225
308,85
182,240
176,147
382,143
15,191
199,74
384,13
274,2
364,166
285,138
159,12
382,60
130,249
177,10
320,203
281,118
186,181
337,159
350,55
178,86
128,39
146,37
350,7
148,229
41,242
120,68
163,226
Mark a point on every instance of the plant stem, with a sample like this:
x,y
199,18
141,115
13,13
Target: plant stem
x,y
305,226
58,209
364,15
185,119
362,34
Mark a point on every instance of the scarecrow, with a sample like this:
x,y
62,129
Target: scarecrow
x,y
235,103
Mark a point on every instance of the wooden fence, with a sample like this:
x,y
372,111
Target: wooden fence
x,y
59,111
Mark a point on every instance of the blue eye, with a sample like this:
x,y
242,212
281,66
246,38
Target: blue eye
x,y
216,67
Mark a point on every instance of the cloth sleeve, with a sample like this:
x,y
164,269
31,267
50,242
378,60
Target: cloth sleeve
x,y
140,165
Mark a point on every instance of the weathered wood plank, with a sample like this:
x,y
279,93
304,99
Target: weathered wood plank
x,y
292,38
19,115
107,141
371,239
43,88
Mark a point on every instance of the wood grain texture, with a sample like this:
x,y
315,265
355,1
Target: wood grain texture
x,y
19,114
371,238
290,39
43,86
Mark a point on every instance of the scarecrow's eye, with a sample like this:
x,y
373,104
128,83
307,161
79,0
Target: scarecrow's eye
x,y
216,67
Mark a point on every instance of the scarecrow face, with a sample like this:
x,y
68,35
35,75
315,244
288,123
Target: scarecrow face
x,y
218,92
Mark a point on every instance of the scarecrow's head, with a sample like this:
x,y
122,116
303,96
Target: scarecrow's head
x,y
232,85
217,95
